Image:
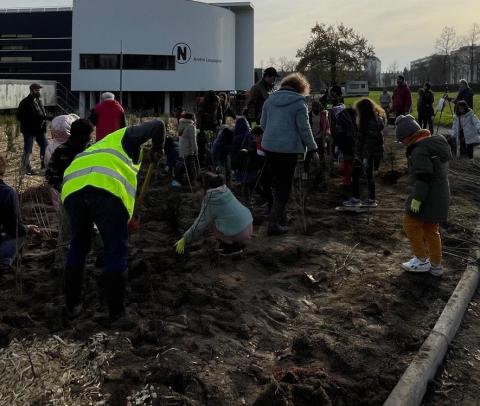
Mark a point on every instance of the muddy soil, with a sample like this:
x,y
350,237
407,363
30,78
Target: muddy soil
x,y
321,316
458,380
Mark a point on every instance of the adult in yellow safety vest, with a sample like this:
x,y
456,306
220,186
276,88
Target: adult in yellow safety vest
x,y
99,187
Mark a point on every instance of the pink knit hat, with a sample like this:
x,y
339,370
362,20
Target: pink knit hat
x,y
61,127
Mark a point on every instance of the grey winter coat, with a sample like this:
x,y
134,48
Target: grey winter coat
x,y
286,124
428,183
187,138
471,128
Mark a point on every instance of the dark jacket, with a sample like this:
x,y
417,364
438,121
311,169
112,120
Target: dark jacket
x,y
258,96
466,95
10,223
343,129
369,140
210,115
428,182
425,105
222,146
32,116
402,99
61,159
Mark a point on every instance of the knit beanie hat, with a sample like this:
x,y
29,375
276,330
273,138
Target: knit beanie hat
x,y
61,126
406,126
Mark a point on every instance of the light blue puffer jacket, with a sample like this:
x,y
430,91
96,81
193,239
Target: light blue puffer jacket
x,y
222,208
285,123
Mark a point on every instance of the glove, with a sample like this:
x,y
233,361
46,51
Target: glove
x,y
180,246
415,206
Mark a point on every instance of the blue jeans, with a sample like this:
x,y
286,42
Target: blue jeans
x,y
28,146
89,206
8,249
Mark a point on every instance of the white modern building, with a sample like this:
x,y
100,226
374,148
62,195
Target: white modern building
x,y
163,52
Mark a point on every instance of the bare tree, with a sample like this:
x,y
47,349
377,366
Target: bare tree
x,y
391,73
471,40
287,65
446,43
272,62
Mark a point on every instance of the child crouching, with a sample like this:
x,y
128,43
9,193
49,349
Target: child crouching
x,y
429,199
228,220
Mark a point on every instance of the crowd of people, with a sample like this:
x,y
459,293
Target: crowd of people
x,y
94,182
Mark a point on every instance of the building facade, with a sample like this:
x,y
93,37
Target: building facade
x,y
166,56
153,54
36,44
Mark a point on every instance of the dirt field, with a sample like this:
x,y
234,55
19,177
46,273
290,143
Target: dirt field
x,y
322,316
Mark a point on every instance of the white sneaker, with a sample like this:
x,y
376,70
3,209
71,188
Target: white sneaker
x,y
352,202
417,265
436,270
176,184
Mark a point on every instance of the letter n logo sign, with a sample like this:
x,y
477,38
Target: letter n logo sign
x,y
182,53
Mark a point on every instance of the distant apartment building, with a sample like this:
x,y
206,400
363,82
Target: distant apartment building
x,y
465,64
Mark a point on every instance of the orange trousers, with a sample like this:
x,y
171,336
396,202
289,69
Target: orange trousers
x,y
424,238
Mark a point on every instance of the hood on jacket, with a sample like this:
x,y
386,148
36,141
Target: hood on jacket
x,y
242,127
61,126
286,97
436,145
184,123
218,196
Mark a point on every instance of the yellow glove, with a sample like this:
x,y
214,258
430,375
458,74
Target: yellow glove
x,y
180,246
415,206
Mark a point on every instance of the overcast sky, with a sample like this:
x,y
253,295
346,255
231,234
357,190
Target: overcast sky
x,y
401,30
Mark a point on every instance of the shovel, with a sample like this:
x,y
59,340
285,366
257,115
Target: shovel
x,y
134,223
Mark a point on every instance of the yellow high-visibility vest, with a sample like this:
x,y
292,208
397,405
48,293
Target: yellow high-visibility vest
x,y
105,165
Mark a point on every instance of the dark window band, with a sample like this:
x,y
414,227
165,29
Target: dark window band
x,y
130,62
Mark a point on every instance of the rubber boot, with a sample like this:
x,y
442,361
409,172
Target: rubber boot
x,y
277,217
73,291
115,287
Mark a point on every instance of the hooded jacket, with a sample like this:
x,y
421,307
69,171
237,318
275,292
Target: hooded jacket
x,y
222,208
470,124
285,123
60,130
428,178
402,99
187,138
108,116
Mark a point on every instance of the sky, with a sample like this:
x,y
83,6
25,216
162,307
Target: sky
x,y
399,30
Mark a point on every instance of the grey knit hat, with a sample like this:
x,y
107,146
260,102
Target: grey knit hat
x,y
406,126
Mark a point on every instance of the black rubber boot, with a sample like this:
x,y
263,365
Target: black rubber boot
x,y
115,286
73,291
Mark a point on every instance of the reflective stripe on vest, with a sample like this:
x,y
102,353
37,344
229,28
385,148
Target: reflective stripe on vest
x,y
105,165
132,190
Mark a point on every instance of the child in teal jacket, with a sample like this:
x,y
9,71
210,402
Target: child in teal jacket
x,y
228,220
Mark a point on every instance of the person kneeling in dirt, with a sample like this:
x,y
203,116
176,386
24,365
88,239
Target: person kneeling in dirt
x,y
229,221
12,231
429,198
100,187
77,136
